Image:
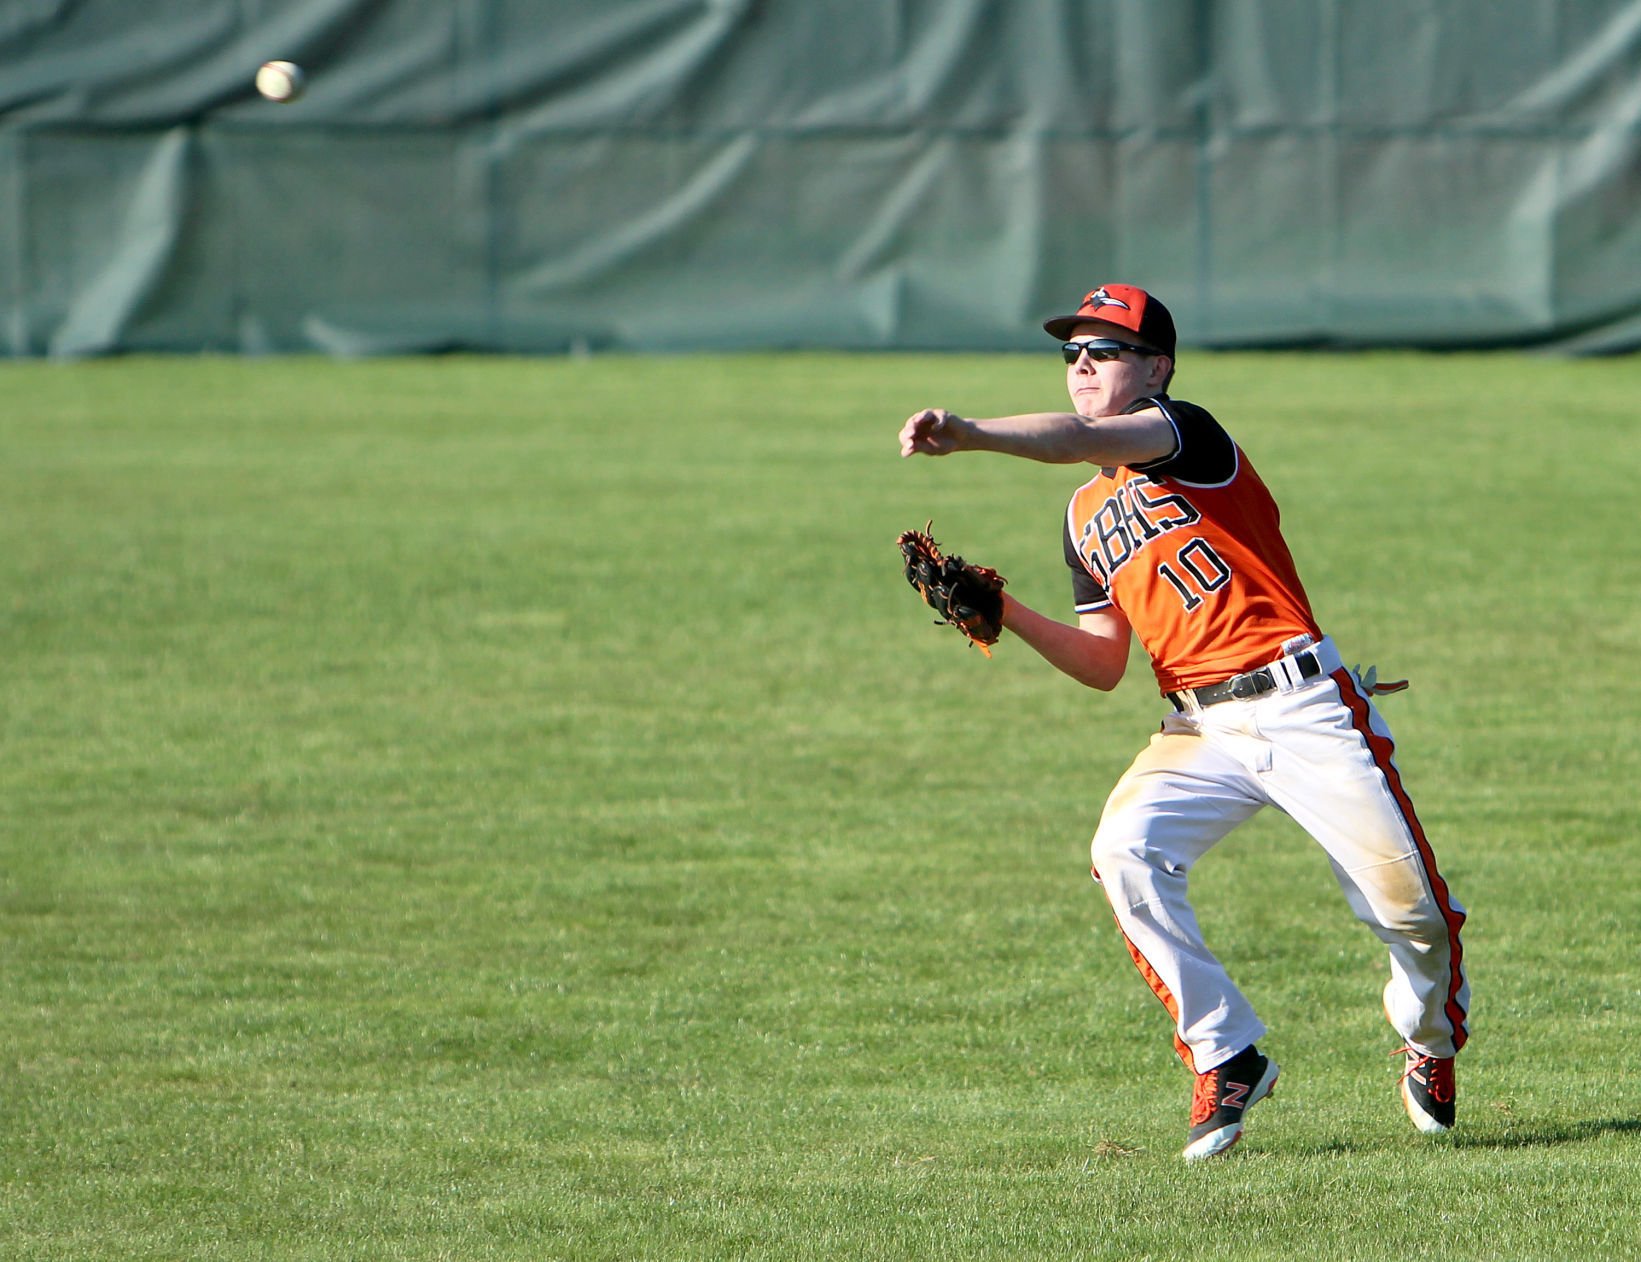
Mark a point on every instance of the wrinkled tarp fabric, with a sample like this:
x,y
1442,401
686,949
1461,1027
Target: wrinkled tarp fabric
x,y
542,175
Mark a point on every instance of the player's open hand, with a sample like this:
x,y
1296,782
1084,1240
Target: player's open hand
x,y
931,432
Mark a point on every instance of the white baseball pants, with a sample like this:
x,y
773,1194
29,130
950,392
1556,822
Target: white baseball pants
x,y
1318,750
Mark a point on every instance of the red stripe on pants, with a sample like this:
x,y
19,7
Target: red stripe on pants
x,y
1159,988
1382,750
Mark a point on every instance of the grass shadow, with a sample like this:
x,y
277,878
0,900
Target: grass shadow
x,y
1545,1135
1511,1134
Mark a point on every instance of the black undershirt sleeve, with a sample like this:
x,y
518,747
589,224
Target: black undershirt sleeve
x,y
1205,455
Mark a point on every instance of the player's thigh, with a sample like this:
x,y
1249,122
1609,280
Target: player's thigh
x,y
1334,773
1178,798
1332,769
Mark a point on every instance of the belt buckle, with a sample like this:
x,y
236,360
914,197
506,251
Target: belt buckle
x,y
1255,683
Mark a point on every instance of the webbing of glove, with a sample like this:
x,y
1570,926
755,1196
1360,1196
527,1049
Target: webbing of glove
x,y
968,597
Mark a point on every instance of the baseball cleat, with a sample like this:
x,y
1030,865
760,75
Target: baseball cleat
x,y
1220,1099
1428,1091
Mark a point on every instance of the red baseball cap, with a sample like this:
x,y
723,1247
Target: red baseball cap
x,y
1127,306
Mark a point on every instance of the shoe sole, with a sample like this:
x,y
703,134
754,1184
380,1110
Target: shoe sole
x,y
1421,1119
1218,1143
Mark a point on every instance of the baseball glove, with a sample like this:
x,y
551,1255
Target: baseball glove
x,y
968,597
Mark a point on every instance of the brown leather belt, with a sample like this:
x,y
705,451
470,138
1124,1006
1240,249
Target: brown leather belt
x,y
1253,683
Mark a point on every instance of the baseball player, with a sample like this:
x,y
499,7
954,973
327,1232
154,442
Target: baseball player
x,y
1175,540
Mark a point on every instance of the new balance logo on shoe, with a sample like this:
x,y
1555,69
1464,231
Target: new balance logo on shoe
x,y
1220,1100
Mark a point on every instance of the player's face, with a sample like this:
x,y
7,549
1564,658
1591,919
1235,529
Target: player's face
x,y
1104,387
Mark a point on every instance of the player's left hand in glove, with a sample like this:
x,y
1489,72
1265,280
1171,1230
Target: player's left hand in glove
x,y
968,597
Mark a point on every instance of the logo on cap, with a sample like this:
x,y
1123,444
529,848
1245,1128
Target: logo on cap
x,y
1099,298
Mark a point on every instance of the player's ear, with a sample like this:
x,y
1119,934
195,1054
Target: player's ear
x,y
1162,368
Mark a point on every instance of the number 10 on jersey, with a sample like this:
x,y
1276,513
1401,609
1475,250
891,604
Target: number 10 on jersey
x,y
1195,571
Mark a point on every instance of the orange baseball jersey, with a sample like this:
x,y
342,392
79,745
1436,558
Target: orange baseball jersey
x,y
1189,548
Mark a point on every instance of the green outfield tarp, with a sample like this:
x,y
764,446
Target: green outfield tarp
x,y
565,175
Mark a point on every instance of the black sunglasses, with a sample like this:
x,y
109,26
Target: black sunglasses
x,y
1101,349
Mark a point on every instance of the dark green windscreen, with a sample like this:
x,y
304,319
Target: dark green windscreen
x,y
543,175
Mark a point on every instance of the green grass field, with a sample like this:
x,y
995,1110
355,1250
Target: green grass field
x,y
500,809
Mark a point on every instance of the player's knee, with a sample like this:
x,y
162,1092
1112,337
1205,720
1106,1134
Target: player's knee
x,y
1423,923
1418,923
1130,868
1107,855
1401,905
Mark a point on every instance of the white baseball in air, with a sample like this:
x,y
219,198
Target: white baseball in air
x,y
280,81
